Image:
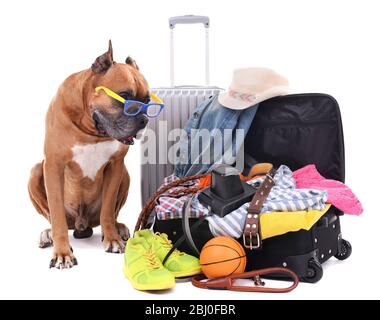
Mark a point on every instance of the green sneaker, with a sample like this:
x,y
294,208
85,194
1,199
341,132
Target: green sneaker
x,y
143,269
179,263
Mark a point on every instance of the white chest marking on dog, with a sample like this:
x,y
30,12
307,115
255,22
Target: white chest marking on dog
x,y
91,157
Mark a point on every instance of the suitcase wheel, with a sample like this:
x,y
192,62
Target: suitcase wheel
x,y
314,272
345,250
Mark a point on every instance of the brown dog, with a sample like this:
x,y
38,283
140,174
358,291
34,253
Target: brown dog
x,y
83,182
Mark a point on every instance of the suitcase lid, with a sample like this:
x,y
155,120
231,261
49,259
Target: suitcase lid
x,y
297,130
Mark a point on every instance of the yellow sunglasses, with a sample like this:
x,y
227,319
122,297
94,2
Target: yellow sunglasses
x,y
114,95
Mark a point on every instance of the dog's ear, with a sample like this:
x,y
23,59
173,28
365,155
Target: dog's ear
x,y
132,63
103,62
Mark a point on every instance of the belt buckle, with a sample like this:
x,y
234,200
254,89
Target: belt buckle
x,y
250,244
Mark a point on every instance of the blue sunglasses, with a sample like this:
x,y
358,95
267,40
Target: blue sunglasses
x,y
133,108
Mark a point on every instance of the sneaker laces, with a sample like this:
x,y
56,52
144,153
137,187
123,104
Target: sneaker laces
x,y
163,238
151,259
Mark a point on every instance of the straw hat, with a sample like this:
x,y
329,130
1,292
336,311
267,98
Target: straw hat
x,y
250,86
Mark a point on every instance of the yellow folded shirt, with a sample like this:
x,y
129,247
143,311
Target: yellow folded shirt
x,y
277,223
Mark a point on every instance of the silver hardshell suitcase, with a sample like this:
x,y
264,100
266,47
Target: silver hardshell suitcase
x,y
180,101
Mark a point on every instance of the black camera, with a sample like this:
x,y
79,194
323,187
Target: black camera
x,y
227,191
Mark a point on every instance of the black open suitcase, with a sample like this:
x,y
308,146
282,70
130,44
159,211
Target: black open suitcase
x,y
295,130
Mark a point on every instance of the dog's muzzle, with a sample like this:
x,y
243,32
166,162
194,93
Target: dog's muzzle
x,y
120,127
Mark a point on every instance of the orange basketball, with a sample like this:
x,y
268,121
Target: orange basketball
x,y
221,257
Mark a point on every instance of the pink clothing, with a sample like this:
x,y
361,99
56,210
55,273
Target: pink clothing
x,y
338,194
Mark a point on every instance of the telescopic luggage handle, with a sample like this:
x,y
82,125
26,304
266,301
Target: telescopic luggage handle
x,y
189,19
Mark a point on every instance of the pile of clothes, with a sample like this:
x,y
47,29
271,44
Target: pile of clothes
x,y
304,191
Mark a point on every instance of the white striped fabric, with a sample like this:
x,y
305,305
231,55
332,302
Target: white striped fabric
x,y
283,197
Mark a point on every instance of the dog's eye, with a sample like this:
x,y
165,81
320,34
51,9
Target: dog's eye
x,y
127,95
146,99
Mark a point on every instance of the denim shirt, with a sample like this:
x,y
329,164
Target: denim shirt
x,y
213,135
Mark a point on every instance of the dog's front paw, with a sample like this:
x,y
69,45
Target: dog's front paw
x,y
63,259
113,244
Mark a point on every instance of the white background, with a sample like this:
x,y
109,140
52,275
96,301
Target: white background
x,y
321,46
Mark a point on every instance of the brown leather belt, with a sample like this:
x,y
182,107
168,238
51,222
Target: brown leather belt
x,y
227,283
251,233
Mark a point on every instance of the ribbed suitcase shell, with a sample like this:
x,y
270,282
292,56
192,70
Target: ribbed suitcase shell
x,y
180,101
179,105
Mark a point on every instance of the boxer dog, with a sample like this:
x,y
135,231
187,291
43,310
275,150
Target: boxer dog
x,y
82,181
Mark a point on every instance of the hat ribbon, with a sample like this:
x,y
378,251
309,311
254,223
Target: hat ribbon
x,y
241,96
